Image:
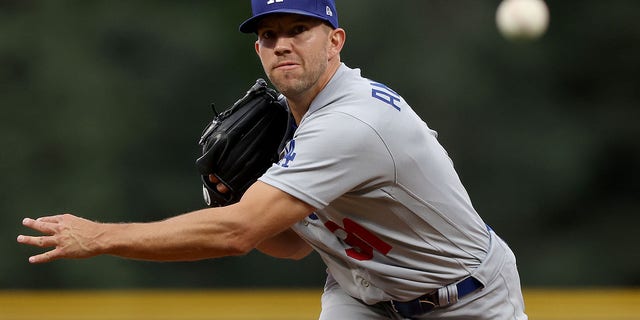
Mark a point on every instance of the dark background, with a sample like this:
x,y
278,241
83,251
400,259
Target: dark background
x,y
102,103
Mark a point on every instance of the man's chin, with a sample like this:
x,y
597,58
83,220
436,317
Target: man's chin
x,y
287,86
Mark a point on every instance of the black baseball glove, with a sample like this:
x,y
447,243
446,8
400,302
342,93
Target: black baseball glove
x,y
241,143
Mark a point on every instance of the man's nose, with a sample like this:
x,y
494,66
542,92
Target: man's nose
x,y
283,45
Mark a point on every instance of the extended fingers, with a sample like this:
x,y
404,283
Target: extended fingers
x,y
53,227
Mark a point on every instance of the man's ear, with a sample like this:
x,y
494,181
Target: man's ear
x,y
257,45
337,37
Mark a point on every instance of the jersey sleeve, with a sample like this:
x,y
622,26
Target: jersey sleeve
x,y
331,154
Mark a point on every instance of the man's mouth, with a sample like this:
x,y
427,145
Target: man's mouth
x,y
285,65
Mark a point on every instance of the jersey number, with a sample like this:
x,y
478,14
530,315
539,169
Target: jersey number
x,y
361,240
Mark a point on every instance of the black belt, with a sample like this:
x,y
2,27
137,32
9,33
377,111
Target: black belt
x,y
439,298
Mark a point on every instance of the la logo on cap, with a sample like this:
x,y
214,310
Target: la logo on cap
x,y
274,1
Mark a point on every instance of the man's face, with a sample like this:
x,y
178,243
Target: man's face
x,y
294,52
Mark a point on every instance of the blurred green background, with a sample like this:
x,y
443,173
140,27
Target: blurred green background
x,y
102,104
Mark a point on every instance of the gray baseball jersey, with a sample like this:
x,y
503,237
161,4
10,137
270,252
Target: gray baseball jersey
x,y
393,220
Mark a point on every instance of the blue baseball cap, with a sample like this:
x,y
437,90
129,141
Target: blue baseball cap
x,y
321,9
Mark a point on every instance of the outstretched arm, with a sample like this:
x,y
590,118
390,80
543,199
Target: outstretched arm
x,y
263,213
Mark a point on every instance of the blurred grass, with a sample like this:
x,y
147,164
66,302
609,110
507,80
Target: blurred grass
x,y
541,304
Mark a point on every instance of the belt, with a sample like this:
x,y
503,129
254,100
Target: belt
x,y
439,298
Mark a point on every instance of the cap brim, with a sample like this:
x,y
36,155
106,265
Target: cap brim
x,y
251,25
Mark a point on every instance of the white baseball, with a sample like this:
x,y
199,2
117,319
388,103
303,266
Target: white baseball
x,y
522,19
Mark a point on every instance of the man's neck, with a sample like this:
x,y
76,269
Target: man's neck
x,y
299,104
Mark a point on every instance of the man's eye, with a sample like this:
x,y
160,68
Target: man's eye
x,y
266,35
299,29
